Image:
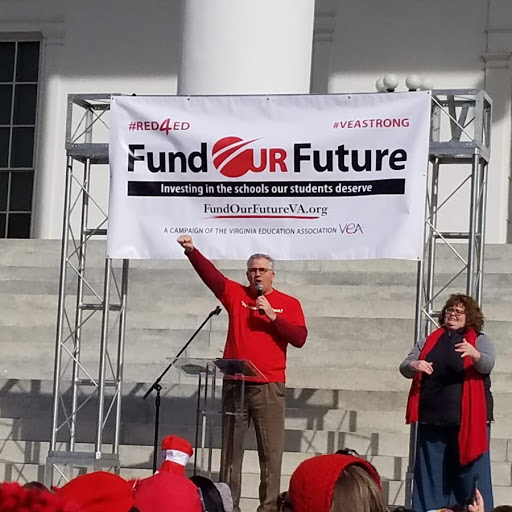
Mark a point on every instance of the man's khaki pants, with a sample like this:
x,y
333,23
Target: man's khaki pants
x,y
264,404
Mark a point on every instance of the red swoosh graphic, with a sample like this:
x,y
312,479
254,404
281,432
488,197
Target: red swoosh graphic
x,y
260,217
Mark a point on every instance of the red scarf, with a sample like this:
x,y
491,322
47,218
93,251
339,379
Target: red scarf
x,y
473,440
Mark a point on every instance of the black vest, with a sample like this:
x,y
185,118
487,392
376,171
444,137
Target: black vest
x,y
441,392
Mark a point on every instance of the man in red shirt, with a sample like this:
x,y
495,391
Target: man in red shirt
x,y
262,322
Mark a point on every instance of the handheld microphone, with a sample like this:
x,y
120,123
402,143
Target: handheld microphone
x,y
217,311
259,288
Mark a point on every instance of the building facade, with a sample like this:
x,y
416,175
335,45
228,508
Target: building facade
x,y
57,47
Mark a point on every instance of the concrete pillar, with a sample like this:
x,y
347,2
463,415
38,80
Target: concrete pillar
x,y
498,84
49,182
323,36
246,46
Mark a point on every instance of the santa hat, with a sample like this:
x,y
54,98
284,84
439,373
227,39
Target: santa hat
x,y
97,492
312,483
177,452
15,498
167,491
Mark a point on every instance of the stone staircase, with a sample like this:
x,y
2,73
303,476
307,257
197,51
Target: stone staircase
x,y
344,389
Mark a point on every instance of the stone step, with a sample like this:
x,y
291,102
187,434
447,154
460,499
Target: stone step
x,y
47,253
325,335
298,419
307,409
346,369
346,337
344,303
370,379
16,389
140,457
33,255
301,441
308,367
184,282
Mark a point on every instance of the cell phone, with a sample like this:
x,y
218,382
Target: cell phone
x,y
472,498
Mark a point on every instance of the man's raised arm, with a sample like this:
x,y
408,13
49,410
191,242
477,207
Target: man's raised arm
x,y
205,269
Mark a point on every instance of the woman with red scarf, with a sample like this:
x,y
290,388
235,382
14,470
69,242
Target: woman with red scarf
x,y
451,399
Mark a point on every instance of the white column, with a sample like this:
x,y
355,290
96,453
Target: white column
x,y
246,46
323,36
498,84
50,175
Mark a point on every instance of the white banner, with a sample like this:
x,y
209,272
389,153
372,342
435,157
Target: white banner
x,y
298,177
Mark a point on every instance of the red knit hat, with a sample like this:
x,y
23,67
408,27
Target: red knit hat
x,y
97,492
15,498
312,483
177,451
166,491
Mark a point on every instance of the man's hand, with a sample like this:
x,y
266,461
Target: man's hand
x,y
465,349
422,366
186,242
263,304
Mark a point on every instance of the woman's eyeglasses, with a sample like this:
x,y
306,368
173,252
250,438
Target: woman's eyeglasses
x,y
455,311
283,502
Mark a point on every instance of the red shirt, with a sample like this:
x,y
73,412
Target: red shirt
x,y
251,335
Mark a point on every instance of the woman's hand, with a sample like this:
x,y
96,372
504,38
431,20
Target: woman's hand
x,y
478,504
422,366
465,349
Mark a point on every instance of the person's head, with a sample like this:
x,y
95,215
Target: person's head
x,y
461,311
14,498
38,486
451,508
98,491
216,497
176,452
260,271
166,491
502,508
334,483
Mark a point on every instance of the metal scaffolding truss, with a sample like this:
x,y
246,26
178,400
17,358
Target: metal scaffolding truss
x,y
460,136
91,318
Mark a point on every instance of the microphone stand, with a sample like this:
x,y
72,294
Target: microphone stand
x,y
158,388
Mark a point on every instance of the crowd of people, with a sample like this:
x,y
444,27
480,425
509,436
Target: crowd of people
x,y
339,482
